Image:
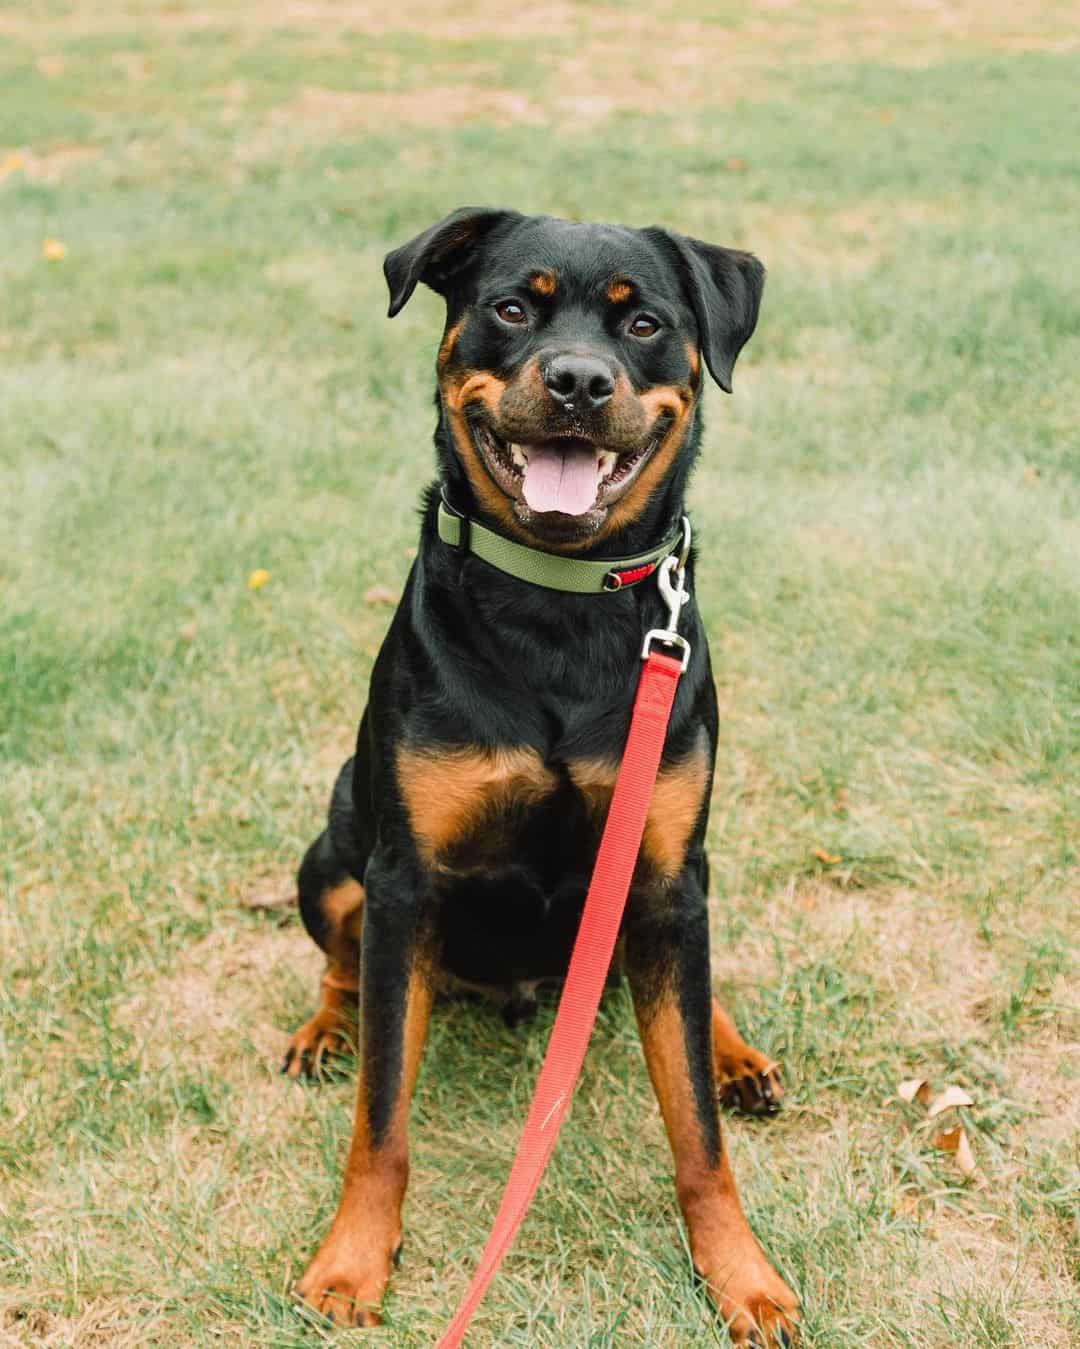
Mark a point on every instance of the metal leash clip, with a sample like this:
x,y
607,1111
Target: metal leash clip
x,y
671,578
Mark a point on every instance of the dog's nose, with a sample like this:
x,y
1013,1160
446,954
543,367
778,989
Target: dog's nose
x,y
579,383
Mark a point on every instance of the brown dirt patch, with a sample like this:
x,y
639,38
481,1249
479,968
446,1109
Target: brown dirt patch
x,y
227,992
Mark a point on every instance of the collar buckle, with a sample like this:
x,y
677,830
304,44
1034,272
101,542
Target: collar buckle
x,y
671,580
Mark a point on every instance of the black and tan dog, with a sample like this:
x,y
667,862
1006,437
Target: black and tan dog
x,y
462,834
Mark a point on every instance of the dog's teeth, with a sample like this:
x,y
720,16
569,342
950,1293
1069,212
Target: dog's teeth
x,y
518,455
607,463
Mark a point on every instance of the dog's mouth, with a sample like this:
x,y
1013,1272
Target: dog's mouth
x,y
565,476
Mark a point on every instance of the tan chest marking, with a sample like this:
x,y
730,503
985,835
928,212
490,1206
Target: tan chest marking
x,y
678,402
676,803
449,794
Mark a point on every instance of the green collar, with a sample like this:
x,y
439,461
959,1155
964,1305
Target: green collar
x,y
551,570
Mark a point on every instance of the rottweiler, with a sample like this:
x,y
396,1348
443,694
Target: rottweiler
x,y
463,831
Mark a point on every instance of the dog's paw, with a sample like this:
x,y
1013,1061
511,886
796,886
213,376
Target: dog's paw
x,y
758,1307
749,1083
318,1046
346,1281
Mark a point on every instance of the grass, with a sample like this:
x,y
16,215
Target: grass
x,y
205,385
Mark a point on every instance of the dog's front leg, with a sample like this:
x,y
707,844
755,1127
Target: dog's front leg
x,y
348,1276
667,960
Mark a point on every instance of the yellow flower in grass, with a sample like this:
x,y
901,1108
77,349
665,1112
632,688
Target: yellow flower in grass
x,y
53,250
258,578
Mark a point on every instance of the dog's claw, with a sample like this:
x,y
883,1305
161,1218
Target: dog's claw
x,y
753,1094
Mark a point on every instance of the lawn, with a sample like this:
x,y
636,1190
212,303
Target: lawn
x,y
197,381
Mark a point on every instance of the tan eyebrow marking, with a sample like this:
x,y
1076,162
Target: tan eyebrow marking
x,y
619,290
543,283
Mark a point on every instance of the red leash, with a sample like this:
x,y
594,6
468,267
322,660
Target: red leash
x,y
595,942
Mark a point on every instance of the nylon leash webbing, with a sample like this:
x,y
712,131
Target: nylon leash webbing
x,y
589,964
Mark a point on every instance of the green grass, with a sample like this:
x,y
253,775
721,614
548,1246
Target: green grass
x,y
888,508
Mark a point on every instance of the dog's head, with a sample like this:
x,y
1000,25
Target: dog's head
x,y
569,371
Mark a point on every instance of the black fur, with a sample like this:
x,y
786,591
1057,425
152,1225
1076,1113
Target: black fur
x,y
476,658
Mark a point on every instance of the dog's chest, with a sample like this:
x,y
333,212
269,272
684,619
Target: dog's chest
x,y
480,810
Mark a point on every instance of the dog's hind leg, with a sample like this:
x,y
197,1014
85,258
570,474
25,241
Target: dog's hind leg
x,y
331,905
746,1079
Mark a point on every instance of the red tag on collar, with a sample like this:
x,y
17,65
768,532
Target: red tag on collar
x,y
632,574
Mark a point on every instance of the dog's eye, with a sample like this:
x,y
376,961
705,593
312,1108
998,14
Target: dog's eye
x,y
510,311
644,326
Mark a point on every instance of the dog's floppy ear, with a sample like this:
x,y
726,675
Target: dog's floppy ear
x,y
725,288
436,255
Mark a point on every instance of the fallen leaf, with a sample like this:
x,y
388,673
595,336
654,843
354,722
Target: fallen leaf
x,y
735,164
1032,474
12,163
951,1096
258,578
829,858
380,595
914,1089
53,250
956,1142
188,631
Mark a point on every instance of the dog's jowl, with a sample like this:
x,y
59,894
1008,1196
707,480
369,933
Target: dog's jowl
x,y
462,834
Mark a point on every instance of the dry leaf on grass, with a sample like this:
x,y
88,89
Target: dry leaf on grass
x,y
950,1097
914,1089
829,858
380,595
956,1142
53,250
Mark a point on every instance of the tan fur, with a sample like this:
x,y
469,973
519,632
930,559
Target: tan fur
x,y
446,346
333,1027
476,386
449,793
679,402
343,905
457,393
347,1277
619,290
677,800
543,284
694,357
748,1291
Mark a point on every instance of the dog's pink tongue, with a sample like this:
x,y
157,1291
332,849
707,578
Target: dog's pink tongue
x,y
563,480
